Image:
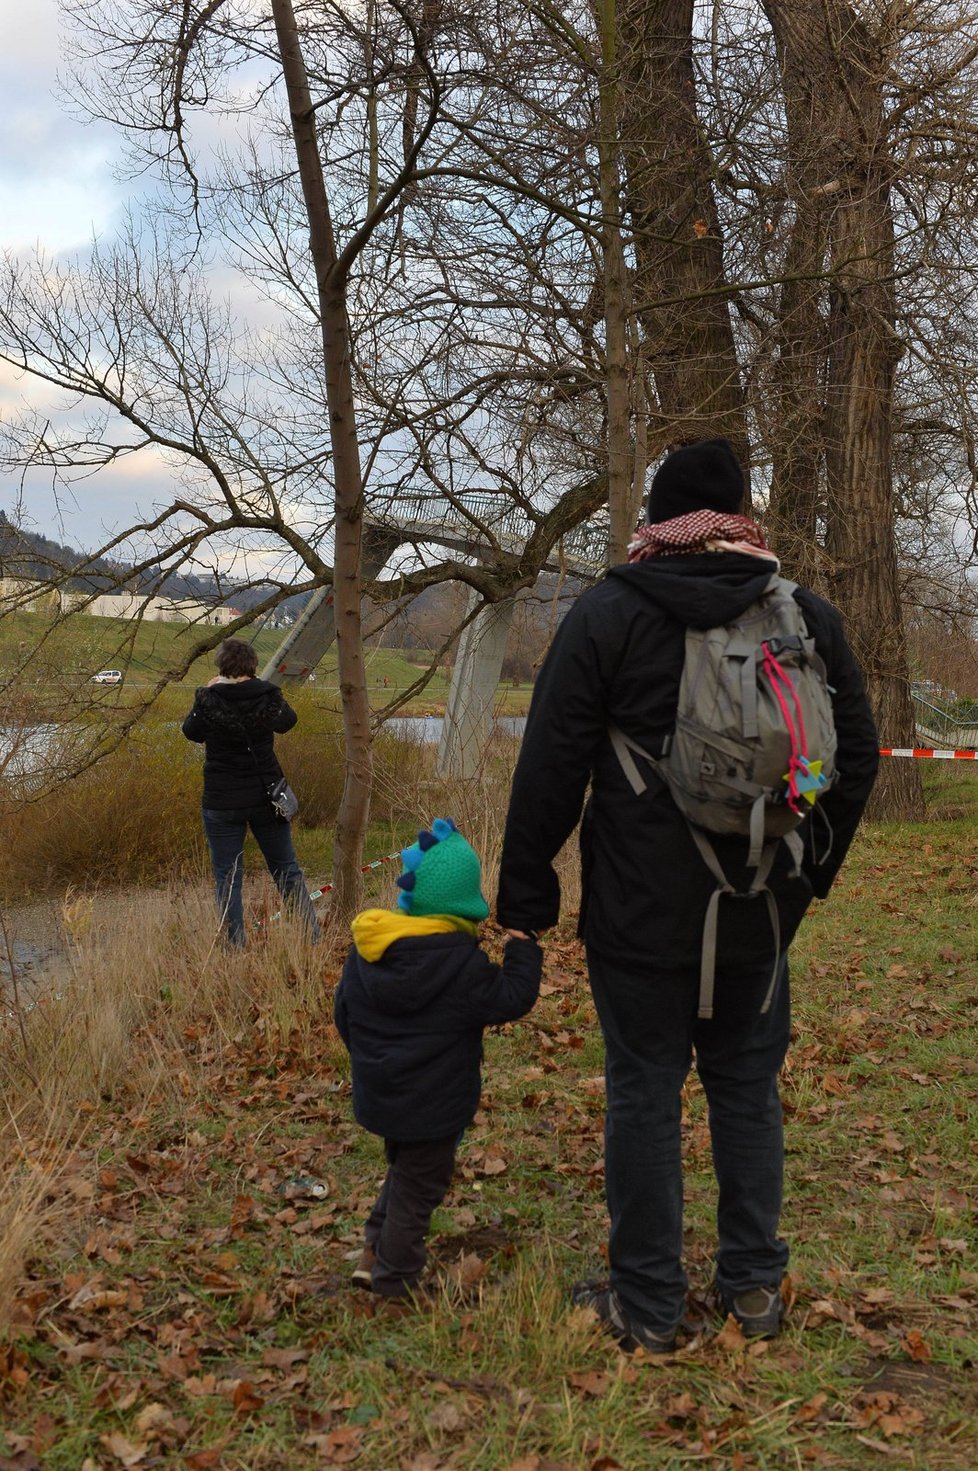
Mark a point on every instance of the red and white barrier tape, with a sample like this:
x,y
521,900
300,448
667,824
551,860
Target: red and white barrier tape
x,y
928,753
931,753
366,868
918,752
328,888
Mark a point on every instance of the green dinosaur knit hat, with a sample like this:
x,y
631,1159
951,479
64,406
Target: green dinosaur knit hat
x,y
442,875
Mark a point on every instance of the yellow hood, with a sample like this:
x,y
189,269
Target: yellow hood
x,y
375,929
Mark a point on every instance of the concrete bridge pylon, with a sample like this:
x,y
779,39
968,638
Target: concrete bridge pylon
x,y
459,525
469,712
315,629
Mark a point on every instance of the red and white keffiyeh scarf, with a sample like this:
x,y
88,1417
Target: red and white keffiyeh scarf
x,y
700,531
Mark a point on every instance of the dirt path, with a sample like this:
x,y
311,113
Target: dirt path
x,y
33,936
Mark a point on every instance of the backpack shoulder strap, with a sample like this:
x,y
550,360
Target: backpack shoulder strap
x,y
623,746
708,953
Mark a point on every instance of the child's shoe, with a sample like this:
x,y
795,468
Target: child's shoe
x,y
363,1271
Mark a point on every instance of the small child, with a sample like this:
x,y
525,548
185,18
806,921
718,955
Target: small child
x,y
415,994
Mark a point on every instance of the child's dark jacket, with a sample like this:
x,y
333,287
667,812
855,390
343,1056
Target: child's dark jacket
x,y
413,1023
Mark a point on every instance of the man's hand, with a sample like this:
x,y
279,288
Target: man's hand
x,y
522,935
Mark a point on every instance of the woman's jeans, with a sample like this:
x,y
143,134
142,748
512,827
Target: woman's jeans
x,y
650,1027
226,828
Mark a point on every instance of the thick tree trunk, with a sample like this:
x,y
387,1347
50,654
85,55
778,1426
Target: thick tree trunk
x,y
834,73
680,283
860,521
351,822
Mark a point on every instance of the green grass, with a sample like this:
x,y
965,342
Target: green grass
x,y
230,1336
81,645
69,652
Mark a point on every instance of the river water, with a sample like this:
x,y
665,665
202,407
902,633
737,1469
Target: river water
x,y
428,728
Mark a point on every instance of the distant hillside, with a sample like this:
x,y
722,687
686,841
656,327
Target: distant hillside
x,y
27,554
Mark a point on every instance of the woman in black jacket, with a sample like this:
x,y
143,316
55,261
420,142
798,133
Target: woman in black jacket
x,y
236,717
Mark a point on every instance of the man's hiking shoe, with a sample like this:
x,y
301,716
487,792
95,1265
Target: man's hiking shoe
x,y
758,1310
606,1306
363,1271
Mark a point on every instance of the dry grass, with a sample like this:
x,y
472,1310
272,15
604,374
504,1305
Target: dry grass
x,y
133,979
33,1212
141,975
134,984
129,819
135,817
171,1306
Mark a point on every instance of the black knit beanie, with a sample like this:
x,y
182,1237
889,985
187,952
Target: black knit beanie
x,y
699,477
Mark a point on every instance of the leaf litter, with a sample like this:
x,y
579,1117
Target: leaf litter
x,y
195,1307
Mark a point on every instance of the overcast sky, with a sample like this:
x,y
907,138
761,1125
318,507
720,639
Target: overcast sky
x,y
57,191
60,187
56,182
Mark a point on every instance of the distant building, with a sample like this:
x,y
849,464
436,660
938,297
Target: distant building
x,y
189,610
37,597
27,596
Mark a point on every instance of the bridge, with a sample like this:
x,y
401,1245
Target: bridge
x,y
476,527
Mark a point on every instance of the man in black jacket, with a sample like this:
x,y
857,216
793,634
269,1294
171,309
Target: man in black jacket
x,y
617,658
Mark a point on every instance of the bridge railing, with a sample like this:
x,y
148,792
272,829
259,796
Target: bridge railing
x,y
940,726
470,516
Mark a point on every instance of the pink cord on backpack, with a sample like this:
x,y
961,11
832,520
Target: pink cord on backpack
x,y
798,759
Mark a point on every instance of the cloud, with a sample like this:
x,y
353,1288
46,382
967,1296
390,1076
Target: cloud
x,y
56,181
29,37
57,213
60,187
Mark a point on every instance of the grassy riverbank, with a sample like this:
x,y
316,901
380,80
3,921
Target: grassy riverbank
x,y
171,1300
135,816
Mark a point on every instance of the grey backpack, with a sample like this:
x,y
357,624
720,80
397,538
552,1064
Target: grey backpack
x,y
753,748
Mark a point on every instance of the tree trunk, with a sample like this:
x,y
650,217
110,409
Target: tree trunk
x,y
797,435
680,291
351,821
622,494
834,74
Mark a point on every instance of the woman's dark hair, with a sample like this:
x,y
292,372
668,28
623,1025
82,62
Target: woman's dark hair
x,y
235,657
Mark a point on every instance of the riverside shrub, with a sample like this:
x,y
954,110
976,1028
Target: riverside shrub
x,y
134,818
129,819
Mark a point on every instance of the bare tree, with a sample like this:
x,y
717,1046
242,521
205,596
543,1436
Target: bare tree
x,y
547,242
495,402
840,142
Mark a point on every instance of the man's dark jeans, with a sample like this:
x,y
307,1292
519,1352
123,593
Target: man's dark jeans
x,y
226,828
417,1180
650,1027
